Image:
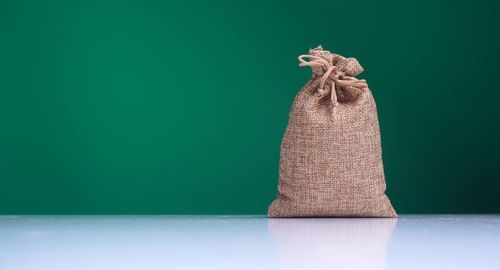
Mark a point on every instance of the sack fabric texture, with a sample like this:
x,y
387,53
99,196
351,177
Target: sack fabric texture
x,y
331,156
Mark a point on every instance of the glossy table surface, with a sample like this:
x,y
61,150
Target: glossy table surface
x,y
249,242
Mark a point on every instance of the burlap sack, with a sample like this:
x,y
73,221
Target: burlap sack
x,y
331,160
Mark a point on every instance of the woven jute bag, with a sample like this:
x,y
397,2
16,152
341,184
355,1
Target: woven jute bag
x,y
331,156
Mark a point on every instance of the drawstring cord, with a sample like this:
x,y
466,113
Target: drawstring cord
x,y
332,74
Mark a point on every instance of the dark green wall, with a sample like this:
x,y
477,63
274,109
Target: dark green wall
x,y
179,106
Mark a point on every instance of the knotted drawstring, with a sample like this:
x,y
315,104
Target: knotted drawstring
x,y
336,76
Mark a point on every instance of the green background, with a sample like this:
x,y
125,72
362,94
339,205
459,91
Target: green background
x,y
179,107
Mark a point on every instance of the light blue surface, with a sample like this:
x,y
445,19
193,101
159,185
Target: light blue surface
x,y
248,242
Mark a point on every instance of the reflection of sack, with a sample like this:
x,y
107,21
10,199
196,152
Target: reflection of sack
x,y
332,244
331,160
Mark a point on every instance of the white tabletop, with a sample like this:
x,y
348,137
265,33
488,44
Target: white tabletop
x,y
249,242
